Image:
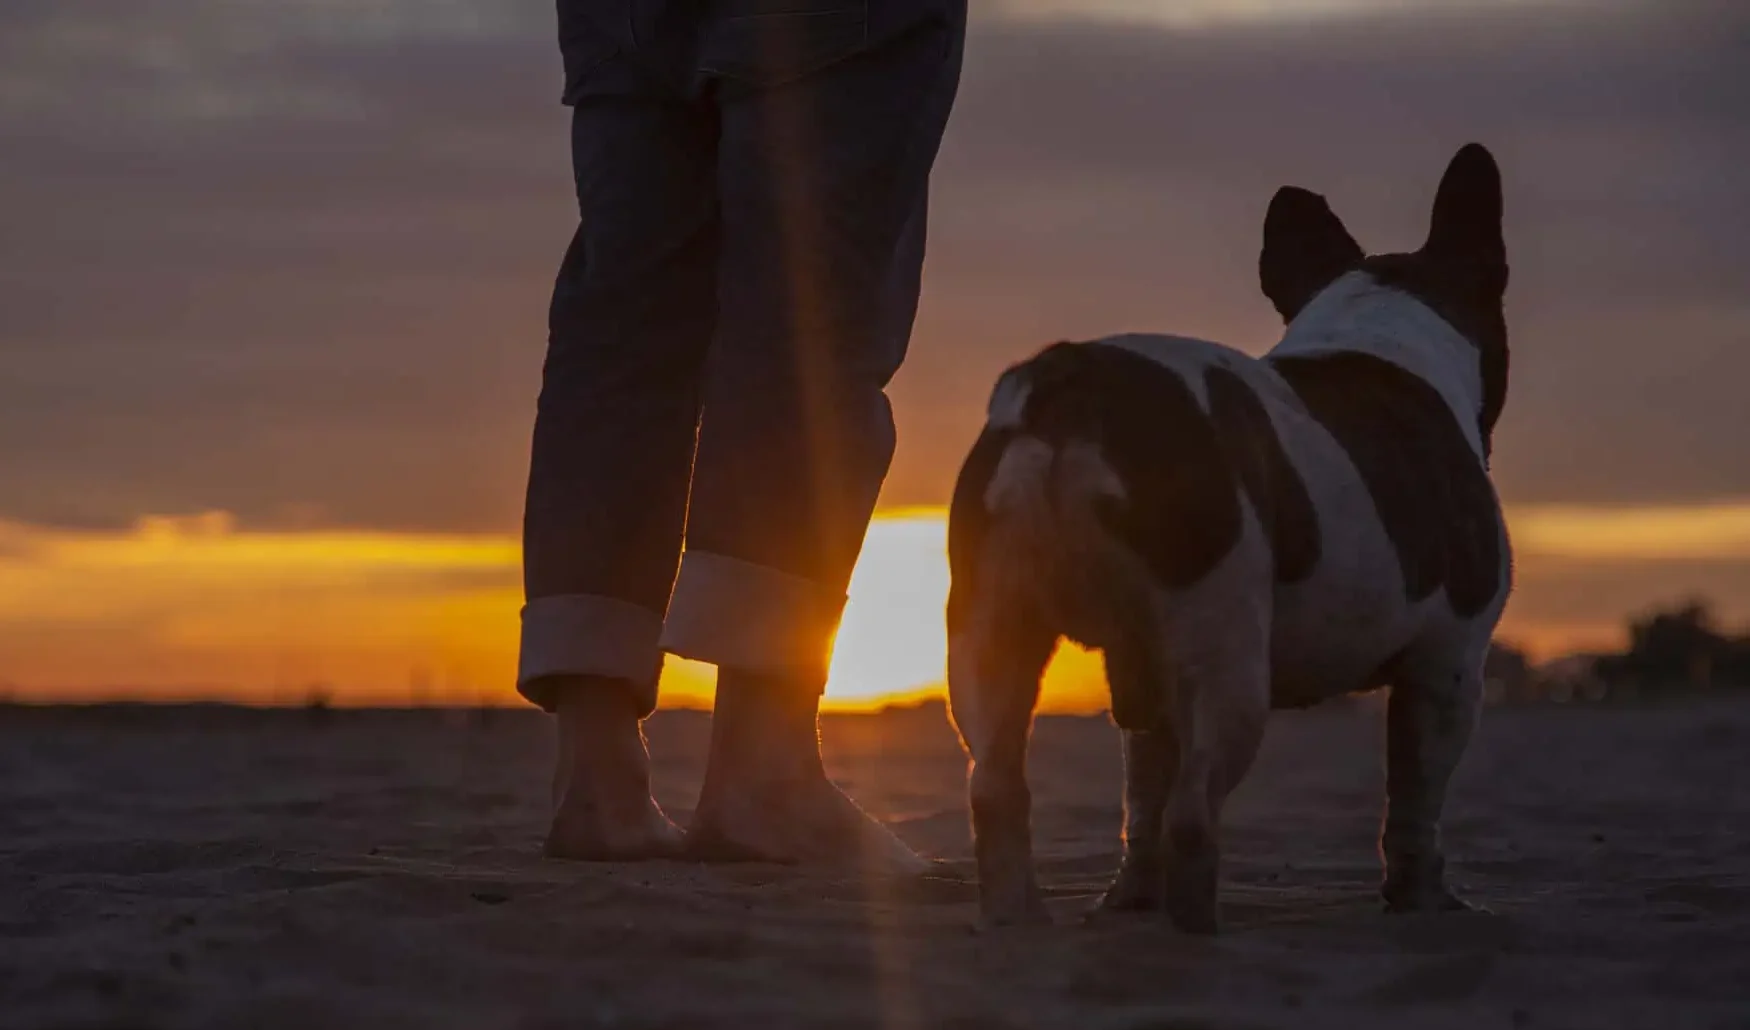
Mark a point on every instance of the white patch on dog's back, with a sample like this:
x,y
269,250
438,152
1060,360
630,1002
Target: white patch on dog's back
x,y
1355,314
1008,400
1022,476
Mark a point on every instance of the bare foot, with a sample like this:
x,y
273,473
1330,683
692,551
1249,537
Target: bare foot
x,y
1012,898
602,808
766,796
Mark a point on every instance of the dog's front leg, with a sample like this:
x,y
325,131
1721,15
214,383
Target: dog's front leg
x,y
1221,725
1429,718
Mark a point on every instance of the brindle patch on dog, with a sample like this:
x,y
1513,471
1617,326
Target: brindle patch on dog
x,y
1431,493
968,521
1180,511
1278,495
1474,310
1180,466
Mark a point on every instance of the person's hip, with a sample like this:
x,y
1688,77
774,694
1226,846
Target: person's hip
x,y
686,45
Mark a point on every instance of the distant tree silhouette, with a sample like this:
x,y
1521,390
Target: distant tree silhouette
x,y
1507,673
1679,649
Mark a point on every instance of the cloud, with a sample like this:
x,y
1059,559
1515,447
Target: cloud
x,y
1193,14
291,260
193,606
1719,532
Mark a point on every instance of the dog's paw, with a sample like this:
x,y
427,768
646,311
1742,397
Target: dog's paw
x,y
1407,899
1136,888
1197,914
1192,883
993,919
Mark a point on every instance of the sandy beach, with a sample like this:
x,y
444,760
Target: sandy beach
x,y
231,868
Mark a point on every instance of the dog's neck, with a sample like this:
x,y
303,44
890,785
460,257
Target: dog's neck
x,y
1357,314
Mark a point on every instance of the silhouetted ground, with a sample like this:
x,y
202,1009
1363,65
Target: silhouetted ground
x,y
231,868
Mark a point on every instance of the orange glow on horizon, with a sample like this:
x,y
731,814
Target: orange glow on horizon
x,y
197,608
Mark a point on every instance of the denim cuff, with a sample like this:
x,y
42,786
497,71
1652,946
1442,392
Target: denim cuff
x,y
587,635
734,613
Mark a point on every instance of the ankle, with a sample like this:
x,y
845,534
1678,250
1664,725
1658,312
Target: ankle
x,y
786,707
601,749
594,701
766,721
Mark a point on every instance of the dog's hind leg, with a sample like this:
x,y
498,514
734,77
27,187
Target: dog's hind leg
x,y
1141,686
1151,761
996,654
1221,701
1430,714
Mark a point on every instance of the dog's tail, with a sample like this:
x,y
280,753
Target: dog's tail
x,y
1029,525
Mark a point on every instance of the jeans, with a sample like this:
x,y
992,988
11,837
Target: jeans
x,y
741,287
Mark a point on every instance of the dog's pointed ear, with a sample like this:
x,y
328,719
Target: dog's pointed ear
x,y
1465,231
1306,248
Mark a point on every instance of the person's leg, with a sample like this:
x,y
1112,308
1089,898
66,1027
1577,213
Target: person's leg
x,y
632,316
823,182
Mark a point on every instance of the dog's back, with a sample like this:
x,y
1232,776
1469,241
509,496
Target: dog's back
x,y
1114,478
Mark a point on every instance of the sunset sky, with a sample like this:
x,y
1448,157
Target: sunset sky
x,y
273,283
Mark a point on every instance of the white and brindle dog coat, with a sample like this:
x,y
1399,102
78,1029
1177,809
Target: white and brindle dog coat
x,y
1240,533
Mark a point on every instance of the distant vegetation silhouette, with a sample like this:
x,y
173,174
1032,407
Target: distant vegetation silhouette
x,y
1671,652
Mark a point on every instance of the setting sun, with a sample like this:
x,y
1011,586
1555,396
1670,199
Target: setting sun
x,y
892,643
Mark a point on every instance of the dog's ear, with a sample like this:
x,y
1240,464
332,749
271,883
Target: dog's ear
x,y
1465,231
1306,248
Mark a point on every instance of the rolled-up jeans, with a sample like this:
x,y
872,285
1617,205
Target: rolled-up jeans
x,y
740,289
